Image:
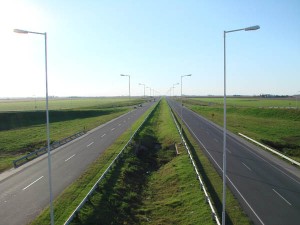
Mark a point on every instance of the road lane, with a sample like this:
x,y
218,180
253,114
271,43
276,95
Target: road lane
x,y
19,206
252,173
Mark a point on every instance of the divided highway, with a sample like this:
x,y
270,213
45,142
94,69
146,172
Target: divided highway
x,y
267,188
24,191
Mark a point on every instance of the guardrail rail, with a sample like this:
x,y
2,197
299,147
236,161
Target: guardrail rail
x,y
43,150
202,186
294,162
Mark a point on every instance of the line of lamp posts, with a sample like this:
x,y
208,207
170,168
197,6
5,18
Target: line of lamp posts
x,y
224,129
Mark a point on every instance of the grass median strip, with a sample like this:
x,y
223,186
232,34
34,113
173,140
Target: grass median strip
x,y
150,184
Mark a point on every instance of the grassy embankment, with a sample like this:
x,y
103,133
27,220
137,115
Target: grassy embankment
x,y
24,131
150,185
259,119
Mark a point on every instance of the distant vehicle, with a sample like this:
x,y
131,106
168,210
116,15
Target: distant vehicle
x,y
140,105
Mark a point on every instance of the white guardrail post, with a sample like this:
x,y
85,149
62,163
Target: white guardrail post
x,y
202,187
81,204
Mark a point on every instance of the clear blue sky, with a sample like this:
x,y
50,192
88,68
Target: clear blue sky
x,y
91,42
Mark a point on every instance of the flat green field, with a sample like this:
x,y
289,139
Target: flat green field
x,y
274,122
32,104
252,102
23,129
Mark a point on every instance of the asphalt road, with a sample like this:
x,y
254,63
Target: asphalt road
x,y
267,188
24,191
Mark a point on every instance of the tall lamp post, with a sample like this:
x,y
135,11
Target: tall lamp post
x,y
47,119
174,87
124,75
224,129
297,100
188,75
144,88
149,91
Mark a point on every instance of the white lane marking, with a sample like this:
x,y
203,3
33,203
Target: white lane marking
x,y
90,144
128,118
113,129
103,135
253,153
32,183
216,140
70,158
247,166
120,124
124,121
281,197
226,176
228,150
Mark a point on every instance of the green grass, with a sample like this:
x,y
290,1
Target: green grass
x,y
275,127
151,185
249,102
22,132
32,104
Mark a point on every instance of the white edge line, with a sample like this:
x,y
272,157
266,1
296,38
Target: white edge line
x,y
32,183
70,157
282,197
103,135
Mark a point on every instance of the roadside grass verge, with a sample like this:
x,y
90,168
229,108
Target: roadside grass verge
x,y
277,128
150,185
213,182
70,198
23,121
15,143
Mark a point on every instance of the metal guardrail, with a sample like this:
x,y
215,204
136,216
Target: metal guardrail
x,y
202,186
271,150
86,198
43,150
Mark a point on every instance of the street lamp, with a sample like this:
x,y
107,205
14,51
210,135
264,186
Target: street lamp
x,y
150,91
224,129
123,75
188,75
47,119
174,87
297,95
144,88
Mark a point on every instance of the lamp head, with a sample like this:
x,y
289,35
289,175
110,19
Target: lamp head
x,y
252,28
20,31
